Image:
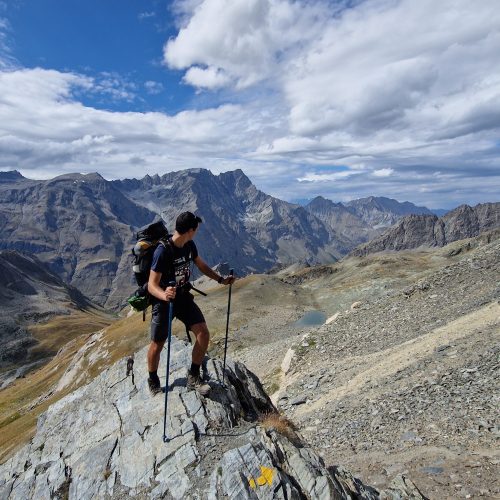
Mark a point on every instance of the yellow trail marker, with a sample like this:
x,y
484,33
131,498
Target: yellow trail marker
x,y
266,477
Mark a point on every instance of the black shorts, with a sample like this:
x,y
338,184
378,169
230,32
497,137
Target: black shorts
x,y
185,309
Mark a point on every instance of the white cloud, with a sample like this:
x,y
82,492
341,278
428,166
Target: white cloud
x,y
154,87
327,177
413,85
383,172
146,15
243,38
209,78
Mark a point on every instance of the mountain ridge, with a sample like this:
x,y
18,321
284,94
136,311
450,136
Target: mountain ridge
x,y
430,230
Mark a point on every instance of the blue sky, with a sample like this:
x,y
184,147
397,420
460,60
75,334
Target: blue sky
x,y
342,99
112,38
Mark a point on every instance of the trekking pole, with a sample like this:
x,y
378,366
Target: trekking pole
x,y
169,338
231,272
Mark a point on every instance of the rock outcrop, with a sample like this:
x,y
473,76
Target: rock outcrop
x,y
105,441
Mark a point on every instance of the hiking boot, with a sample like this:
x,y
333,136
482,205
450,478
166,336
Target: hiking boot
x,y
194,382
154,386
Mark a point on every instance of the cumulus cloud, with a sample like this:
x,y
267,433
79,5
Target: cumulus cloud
x,y
209,78
344,99
244,39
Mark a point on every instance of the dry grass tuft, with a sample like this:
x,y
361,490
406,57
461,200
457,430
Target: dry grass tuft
x,y
279,423
107,473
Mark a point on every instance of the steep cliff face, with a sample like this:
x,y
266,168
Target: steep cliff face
x,y
468,222
106,440
428,230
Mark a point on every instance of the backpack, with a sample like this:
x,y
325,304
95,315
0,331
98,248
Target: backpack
x,y
148,240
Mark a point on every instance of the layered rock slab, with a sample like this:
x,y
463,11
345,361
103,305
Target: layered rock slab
x,y
105,440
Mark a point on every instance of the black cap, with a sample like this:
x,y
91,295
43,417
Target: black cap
x,y
186,221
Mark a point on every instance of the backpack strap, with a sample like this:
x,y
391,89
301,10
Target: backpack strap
x,y
168,244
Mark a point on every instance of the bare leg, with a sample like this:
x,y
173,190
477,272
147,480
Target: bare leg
x,y
154,353
200,347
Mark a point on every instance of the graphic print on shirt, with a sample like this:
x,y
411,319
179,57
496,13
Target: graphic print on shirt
x,y
182,270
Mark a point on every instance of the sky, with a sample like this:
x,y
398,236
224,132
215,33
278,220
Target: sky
x,y
338,98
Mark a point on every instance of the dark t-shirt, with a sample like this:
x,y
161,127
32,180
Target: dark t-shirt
x,y
174,263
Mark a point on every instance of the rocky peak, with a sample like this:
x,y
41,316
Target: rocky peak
x,y
11,176
320,204
467,222
92,177
106,440
235,180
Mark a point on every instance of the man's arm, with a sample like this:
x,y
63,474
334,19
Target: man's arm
x,y
155,289
208,271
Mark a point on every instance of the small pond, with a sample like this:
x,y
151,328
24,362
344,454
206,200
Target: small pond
x,y
310,318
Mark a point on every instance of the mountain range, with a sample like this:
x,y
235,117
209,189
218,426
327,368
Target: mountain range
x,y
82,226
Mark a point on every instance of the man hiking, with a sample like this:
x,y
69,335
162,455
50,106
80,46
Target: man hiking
x,y
169,265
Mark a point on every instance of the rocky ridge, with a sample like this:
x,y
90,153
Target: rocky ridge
x,y
415,231
342,220
380,212
79,225
105,440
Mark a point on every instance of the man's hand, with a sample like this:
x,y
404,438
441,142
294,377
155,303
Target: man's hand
x,y
228,280
170,293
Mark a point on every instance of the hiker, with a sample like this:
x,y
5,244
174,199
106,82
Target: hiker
x,y
175,265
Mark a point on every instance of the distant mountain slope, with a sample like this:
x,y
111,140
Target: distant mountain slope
x,y
383,212
342,220
80,225
30,293
429,230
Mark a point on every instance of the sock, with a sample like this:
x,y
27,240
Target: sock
x,y
154,375
195,370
